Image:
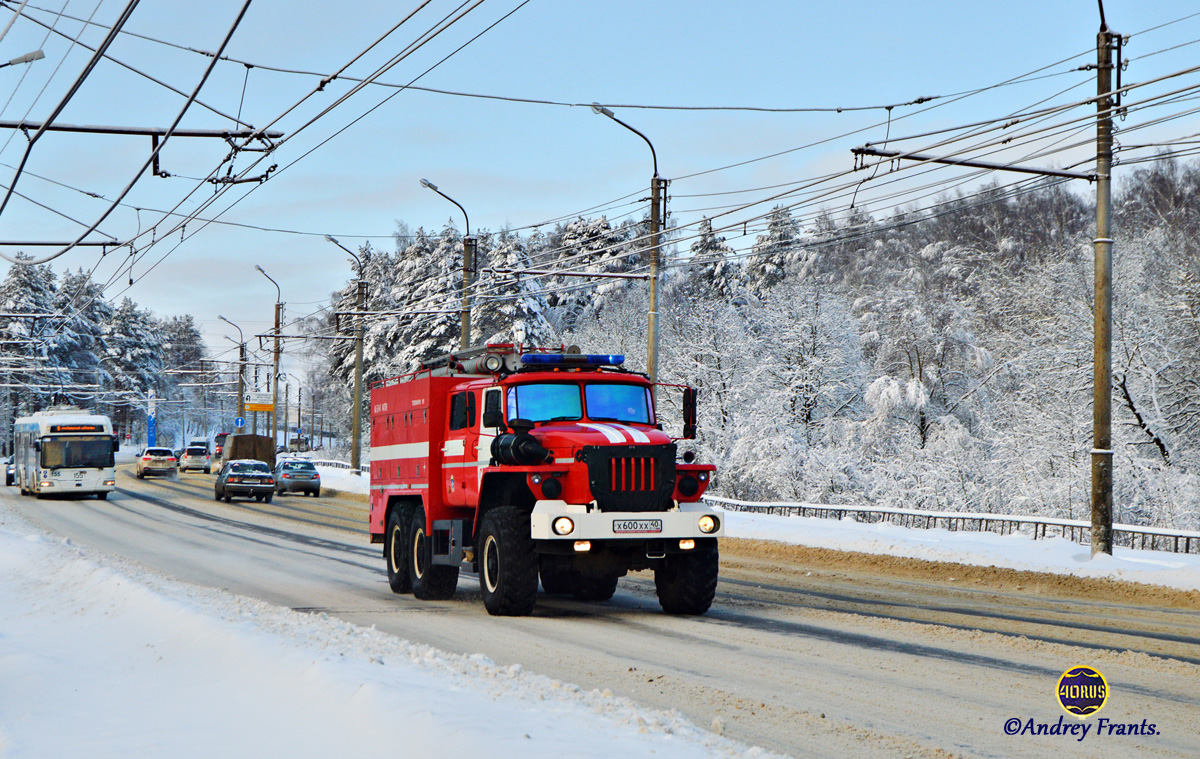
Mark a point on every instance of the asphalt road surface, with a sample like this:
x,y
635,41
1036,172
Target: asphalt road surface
x,y
805,652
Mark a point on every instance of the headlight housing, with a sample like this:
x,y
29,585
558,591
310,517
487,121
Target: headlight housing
x,y
563,526
708,524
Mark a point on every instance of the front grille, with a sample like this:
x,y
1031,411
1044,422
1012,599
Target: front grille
x,y
631,477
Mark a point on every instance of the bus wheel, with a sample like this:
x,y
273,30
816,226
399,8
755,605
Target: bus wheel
x,y
103,496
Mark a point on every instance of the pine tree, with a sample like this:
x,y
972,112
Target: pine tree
x,y
769,258
514,309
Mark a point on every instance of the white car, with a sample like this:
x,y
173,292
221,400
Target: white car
x,y
157,461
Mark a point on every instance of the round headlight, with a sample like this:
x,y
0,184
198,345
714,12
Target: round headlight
x,y
551,488
688,486
708,523
563,526
493,363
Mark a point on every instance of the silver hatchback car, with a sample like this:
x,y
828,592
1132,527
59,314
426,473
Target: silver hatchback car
x,y
195,457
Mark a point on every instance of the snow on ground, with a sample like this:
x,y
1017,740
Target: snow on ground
x,y
1055,555
344,480
102,658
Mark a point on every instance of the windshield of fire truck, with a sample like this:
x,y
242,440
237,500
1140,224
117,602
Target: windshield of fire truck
x,y
544,402
560,401
611,402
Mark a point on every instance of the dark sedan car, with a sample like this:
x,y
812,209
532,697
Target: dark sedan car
x,y
297,475
243,477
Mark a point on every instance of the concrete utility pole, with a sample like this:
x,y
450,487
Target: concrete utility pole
x,y
656,187
1102,455
464,340
356,411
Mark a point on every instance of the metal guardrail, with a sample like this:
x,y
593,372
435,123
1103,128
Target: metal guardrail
x,y
1078,530
339,465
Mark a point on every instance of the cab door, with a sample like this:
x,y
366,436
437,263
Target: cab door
x,y
459,472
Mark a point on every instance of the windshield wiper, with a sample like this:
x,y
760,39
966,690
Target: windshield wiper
x,y
562,419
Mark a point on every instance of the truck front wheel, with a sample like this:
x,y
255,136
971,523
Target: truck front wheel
x,y
430,582
395,553
687,582
508,567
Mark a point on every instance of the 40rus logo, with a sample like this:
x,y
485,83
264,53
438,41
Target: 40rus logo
x,y
1082,691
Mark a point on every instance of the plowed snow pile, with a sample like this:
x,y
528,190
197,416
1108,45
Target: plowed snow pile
x,y
101,658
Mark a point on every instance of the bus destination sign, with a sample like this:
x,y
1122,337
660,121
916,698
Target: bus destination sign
x,y
77,428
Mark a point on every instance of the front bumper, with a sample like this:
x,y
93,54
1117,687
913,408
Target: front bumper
x,y
615,526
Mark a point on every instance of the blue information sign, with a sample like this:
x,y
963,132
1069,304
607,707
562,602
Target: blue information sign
x,y
151,430
239,422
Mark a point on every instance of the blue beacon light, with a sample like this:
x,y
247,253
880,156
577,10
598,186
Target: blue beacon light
x,y
573,359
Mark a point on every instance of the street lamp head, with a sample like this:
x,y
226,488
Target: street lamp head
x,y
602,111
36,55
260,269
429,185
331,239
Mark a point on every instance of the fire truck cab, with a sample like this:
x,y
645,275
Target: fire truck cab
x,y
526,465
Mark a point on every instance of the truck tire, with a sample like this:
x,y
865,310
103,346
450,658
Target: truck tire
x,y
593,588
508,566
430,582
395,552
555,580
687,582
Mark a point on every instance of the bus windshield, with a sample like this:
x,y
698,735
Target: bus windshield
x,y
90,452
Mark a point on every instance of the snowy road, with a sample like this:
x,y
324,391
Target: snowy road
x,y
802,653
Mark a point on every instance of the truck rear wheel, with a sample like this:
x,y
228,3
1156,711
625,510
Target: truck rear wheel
x,y
430,582
395,553
508,567
593,588
687,582
555,580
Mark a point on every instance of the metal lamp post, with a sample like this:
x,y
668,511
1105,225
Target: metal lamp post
x,y
241,391
275,374
464,340
356,415
656,185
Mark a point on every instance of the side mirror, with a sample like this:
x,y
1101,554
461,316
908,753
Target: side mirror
x,y
690,396
492,417
37,445
116,444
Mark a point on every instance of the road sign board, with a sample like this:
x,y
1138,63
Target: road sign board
x,y
259,402
239,422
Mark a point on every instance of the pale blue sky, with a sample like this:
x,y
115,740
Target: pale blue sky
x,y
507,163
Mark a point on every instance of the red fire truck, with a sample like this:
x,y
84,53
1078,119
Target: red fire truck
x,y
519,465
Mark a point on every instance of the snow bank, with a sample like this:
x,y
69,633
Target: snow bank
x,y
344,480
1055,555
101,658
